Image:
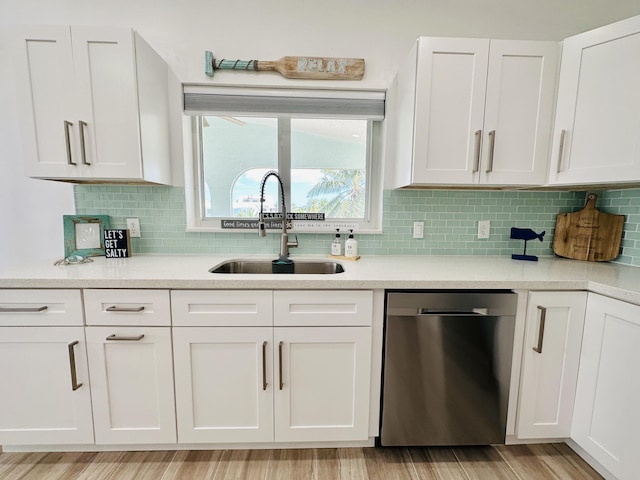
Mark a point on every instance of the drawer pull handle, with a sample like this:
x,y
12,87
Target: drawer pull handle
x,y
561,150
543,318
280,364
114,308
125,339
264,365
83,148
72,365
492,145
23,309
67,140
476,163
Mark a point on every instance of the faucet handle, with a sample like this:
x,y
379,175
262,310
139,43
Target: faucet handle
x,y
294,243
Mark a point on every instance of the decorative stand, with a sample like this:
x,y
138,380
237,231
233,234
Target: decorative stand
x,y
525,234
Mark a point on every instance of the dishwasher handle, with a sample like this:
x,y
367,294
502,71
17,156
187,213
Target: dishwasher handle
x,y
441,312
428,312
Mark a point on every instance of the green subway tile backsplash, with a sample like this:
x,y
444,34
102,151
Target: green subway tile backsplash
x,y
450,222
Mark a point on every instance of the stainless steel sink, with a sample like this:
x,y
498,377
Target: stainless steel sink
x,y
264,267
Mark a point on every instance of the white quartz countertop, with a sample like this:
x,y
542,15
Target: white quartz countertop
x,y
410,272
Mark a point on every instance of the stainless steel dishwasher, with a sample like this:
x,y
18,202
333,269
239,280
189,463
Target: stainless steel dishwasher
x,y
447,367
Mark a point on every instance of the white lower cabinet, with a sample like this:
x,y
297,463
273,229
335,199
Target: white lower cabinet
x,y
322,383
45,386
45,397
131,366
606,419
224,391
243,374
132,384
260,383
553,336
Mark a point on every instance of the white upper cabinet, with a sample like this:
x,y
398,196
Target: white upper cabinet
x,y
597,127
472,111
94,105
518,112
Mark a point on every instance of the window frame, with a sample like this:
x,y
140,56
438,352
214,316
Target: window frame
x,y
194,183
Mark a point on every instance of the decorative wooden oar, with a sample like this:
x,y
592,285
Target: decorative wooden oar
x,y
319,68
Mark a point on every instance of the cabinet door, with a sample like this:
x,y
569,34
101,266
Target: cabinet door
x,y
449,109
607,418
322,383
105,69
597,128
551,355
224,391
45,84
519,112
132,384
38,404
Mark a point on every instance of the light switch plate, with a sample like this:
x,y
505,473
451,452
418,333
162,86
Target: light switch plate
x,y
418,229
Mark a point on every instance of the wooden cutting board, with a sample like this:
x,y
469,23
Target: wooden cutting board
x,y
588,234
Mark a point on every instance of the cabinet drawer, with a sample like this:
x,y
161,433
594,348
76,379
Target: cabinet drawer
x,y
40,307
327,307
127,307
233,308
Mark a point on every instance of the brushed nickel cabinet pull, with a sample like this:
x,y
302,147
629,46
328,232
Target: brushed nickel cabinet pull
x,y
125,339
67,139
280,364
492,144
23,309
83,149
476,163
543,318
72,364
114,308
561,150
264,365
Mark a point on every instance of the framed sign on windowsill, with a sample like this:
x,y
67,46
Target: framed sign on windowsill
x,y
84,234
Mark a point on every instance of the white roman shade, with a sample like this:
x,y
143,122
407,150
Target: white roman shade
x,y
308,103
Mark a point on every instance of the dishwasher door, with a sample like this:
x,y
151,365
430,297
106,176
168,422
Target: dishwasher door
x,y
447,367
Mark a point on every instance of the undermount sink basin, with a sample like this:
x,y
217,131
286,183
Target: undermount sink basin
x,y
264,267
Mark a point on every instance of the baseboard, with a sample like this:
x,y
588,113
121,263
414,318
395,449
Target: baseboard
x,y
590,460
182,446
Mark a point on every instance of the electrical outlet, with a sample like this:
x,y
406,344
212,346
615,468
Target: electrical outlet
x,y
484,226
133,224
418,229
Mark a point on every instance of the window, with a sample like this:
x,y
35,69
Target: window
x,y
329,163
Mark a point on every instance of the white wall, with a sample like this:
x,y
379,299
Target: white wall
x,y
381,31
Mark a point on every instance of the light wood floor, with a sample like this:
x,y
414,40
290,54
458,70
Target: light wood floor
x,y
521,462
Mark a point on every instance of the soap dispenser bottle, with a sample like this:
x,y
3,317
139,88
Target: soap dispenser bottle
x,y
336,245
351,246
